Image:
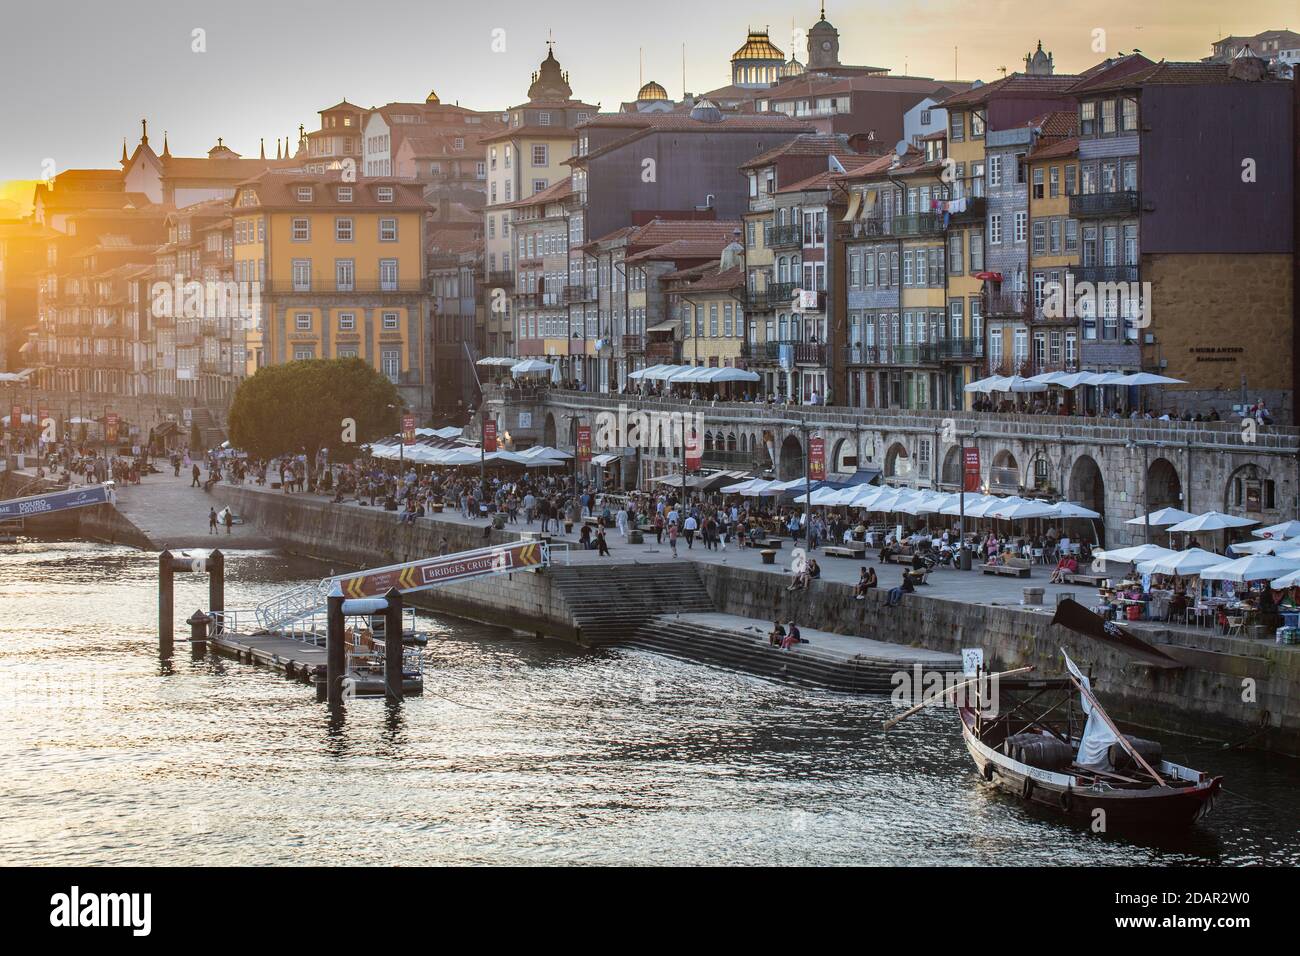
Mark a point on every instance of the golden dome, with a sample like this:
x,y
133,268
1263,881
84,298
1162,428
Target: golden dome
x,y
758,46
652,91
432,98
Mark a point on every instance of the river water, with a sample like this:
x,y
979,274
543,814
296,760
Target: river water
x,y
520,752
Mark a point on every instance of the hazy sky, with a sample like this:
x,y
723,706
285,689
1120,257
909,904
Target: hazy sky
x,y
78,76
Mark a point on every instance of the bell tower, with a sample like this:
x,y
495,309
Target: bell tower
x,y
823,44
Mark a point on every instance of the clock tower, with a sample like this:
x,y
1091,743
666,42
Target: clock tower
x,y
823,44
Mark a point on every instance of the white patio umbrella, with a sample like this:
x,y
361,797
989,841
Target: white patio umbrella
x,y
1189,562
1263,547
1287,529
1253,567
1212,521
531,367
986,385
1068,509
973,498
1020,511
1285,581
1162,516
1134,555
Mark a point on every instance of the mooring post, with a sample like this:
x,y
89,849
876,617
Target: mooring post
x,y
165,635
393,627
217,589
198,623
335,652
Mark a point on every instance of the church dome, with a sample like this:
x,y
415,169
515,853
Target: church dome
x,y
793,68
706,111
432,98
652,91
550,82
758,46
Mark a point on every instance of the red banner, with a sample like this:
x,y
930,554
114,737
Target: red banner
x,y
489,436
16,417
971,469
817,459
110,427
408,429
584,444
694,448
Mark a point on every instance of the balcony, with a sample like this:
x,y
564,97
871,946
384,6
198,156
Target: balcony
x,y
804,353
899,227
976,207
1105,205
1005,305
786,236
502,279
776,295
632,344
579,293
320,286
663,353
1096,274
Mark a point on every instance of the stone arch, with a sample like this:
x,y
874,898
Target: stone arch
x,y
731,441
790,459
1244,481
1040,476
1164,489
951,474
708,441
548,430
1086,486
1004,473
844,456
897,462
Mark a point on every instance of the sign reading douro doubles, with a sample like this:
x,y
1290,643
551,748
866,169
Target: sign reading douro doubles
x,y
54,501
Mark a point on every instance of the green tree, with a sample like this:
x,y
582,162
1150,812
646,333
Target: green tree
x,y
312,404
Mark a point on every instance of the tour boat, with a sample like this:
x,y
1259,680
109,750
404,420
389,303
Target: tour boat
x,y
1038,747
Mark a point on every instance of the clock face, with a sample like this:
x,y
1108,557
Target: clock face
x,y
826,45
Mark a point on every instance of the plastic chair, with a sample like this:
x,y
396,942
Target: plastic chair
x,y
1235,624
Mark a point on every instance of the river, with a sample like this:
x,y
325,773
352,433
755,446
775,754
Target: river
x,y
520,752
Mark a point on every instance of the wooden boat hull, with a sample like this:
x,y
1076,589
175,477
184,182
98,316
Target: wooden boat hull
x,y
1060,792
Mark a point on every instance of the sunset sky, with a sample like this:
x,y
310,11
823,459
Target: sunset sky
x,y
79,75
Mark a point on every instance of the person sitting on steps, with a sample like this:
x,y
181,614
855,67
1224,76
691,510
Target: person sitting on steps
x,y
866,581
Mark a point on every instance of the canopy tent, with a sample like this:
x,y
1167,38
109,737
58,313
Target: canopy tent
x,y
711,376
1162,516
1287,529
653,372
1190,562
497,360
1005,383
1253,567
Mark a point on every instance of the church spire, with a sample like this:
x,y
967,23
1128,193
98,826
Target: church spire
x,y
166,149
144,132
124,157
262,140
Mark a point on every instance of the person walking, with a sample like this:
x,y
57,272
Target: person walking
x,y
691,526
672,537
229,519
602,546
212,521
194,474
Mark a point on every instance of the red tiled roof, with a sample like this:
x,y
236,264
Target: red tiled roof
x,y
277,189
1056,149
1014,85
659,231
682,249
805,144
823,179
749,121
553,193
1168,74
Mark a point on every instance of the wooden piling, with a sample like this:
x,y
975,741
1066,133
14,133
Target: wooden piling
x,y
393,628
335,651
198,623
165,609
217,589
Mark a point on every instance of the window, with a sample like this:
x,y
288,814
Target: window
x,y
1088,119
344,275
304,353
1022,226
976,124
345,194
957,126
301,230
347,321
1038,183
1054,237
1128,116
391,364
387,230
540,154
1054,184
342,230
304,194
1071,235
1107,117
1071,180
995,228
976,252
346,353
391,322
388,275
1040,237
384,193
538,185
995,171
302,322
301,275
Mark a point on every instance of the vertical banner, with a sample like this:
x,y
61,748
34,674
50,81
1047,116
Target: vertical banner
x,y
817,459
971,469
490,435
584,444
694,443
110,427
16,417
408,429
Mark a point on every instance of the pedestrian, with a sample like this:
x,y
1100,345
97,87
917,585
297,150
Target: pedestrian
x,y
229,519
602,546
194,483
672,537
691,526
212,520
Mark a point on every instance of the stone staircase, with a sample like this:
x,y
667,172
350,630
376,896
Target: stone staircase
x,y
751,653
211,430
608,604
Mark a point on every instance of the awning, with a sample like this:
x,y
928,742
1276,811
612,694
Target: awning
x,y
603,460
988,276
855,200
669,326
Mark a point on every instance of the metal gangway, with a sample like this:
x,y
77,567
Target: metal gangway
x,y
299,612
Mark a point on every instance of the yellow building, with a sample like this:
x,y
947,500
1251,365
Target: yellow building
x,y
341,270
964,148
710,302
922,300
1053,254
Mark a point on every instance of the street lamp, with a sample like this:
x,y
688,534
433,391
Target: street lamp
x,y
1146,489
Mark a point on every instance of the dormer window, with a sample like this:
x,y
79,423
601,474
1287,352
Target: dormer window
x,y
304,194
345,194
384,193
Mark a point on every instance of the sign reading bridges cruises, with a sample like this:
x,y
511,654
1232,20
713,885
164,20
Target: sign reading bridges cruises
x,y
417,575
54,501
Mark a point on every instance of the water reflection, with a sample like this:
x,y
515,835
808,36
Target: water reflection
x,y
520,751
